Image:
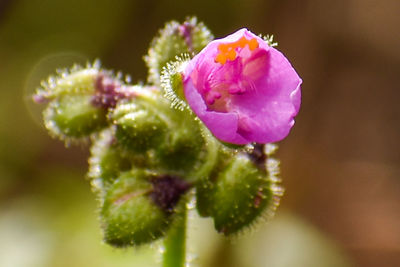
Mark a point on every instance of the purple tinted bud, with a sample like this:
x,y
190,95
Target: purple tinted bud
x,y
186,31
108,91
258,157
167,190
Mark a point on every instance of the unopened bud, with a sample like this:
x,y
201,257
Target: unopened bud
x,y
77,81
138,207
73,116
174,39
184,149
107,160
242,192
140,126
218,158
79,100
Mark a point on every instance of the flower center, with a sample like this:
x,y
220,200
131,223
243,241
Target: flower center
x,y
219,96
228,51
229,79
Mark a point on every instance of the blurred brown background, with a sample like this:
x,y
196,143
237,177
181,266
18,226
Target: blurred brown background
x,y
340,164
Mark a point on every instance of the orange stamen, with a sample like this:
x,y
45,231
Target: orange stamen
x,y
242,42
223,48
231,55
253,44
228,51
221,58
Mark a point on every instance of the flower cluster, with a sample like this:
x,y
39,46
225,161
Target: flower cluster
x,y
240,94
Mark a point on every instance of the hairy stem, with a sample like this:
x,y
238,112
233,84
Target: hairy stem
x,y
175,242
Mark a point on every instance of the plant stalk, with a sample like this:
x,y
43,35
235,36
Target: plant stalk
x,y
175,242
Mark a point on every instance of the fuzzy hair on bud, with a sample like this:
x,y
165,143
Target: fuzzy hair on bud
x,y
173,40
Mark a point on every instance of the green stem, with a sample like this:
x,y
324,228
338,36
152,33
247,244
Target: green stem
x,y
175,242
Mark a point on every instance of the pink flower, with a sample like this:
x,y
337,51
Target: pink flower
x,y
243,90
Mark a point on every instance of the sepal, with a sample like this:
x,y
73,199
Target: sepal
x,y
172,81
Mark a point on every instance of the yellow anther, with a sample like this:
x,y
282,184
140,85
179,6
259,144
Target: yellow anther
x,y
231,54
242,42
224,47
221,58
228,51
253,44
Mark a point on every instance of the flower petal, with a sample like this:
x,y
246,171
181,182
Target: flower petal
x,y
224,125
253,97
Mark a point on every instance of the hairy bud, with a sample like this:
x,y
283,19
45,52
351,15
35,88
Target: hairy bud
x,y
242,187
141,122
184,149
173,40
241,193
107,160
79,100
138,207
73,116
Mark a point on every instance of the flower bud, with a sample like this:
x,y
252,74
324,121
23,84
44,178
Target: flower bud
x,y
79,100
129,216
77,81
173,40
241,191
205,187
73,116
107,160
138,207
184,149
141,122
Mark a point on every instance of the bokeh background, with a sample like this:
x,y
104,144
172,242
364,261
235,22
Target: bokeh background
x,y
340,164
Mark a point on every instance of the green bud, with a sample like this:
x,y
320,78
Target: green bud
x,y
180,152
173,40
107,160
241,189
140,126
241,193
218,158
138,207
204,197
129,216
184,150
79,100
73,116
171,139
77,81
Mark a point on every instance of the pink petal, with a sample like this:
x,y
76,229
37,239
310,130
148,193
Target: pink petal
x,y
262,87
